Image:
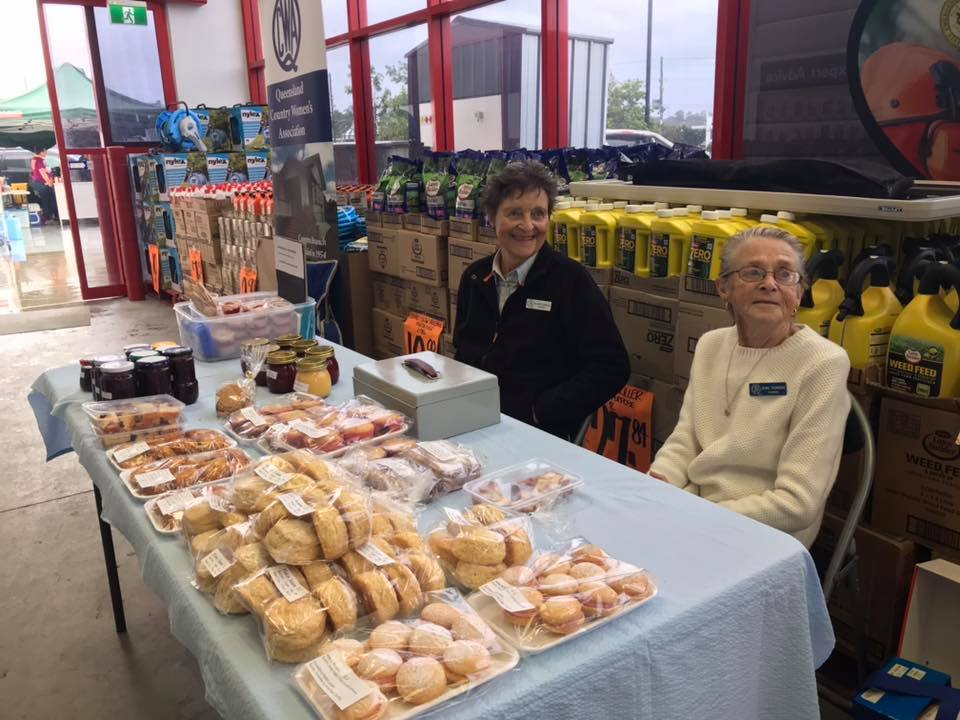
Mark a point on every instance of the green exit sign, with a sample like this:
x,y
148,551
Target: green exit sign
x,y
128,14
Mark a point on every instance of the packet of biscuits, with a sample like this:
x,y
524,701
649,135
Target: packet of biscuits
x,y
402,668
478,544
203,509
400,477
165,512
224,557
250,423
557,594
189,442
453,464
176,473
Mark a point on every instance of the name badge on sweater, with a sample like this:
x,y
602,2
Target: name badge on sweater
x,y
772,389
544,305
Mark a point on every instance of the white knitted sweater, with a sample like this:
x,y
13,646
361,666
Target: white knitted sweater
x,y
775,457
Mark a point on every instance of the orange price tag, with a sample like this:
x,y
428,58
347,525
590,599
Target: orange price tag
x,y
248,280
196,266
422,332
622,429
155,266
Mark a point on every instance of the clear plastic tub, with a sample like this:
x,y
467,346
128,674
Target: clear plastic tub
x,y
219,338
525,487
112,417
189,442
148,435
162,476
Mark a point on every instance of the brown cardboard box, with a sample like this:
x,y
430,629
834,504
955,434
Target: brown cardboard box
x,y
453,310
422,258
886,566
930,630
486,235
464,229
383,254
462,253
693,321
601,276
605,290
208,227
447,348
655,286
427,299
374,219
850,472
434,227
355,312
189,225
411,221
392,221
387,332
699,290
389,293
917,488
647,324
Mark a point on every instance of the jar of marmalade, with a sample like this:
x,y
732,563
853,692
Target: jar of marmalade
x,y
116,380
326,353
300,347
153,376
313,378
183,373
281,371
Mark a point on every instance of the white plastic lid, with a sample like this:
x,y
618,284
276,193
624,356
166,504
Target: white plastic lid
x,y
680,212
694,208
648,208
784,215
709,215
605,206
772,219
593,206
619,204
563,205
724,214
579,203
594,200
738,212
661,205
634,208
664,213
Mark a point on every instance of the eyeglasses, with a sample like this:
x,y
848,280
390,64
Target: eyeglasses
x,y
753,274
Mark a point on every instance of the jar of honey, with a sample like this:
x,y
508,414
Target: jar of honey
x,y
313,378
326,353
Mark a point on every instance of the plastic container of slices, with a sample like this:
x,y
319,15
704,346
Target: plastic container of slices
x,y
157,434
162,476
164,511
248,424
529,486
119,417
131,455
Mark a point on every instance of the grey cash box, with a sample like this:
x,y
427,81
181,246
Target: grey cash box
x,y
461,399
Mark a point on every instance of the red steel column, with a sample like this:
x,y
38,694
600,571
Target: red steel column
x,y
124,226
555,89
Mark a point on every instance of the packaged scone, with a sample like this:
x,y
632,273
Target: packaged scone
x,y
479,544
188,442
176,473
260,484
248,423
453,464
531,486
112,417
402,668
209,506
559,594
395,530
222,559
400,477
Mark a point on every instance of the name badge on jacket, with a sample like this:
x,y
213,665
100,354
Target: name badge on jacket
x,y
769,389
544,305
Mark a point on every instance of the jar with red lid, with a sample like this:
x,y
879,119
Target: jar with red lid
x,y
326,352
281,371
86,374
153,376
116,380
184,372
99,362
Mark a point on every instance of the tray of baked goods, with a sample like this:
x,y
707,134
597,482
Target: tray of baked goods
x,y
176,473
556,596
166,511
120,421
399,669
172,444
529,486
248,423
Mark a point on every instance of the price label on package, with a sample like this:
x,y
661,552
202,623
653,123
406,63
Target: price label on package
x,y
311,431
217,562
253,416
456,516
154,478
295,504
287,583
422,332
131,451
174,502
216,501
301,387
338,681
506,596
272,474
375,555
439,450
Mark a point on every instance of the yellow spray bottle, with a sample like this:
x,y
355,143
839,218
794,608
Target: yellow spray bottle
x,y
598,236
669,244
739,216
822,299
788,221
709,236
863,322
924,353
633,239
566,228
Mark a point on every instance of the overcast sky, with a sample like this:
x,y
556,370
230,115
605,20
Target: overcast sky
x,y
684,32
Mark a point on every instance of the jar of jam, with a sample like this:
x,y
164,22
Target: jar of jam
x,y
184,372
99,362
116,380
161,344
313,378
300,347
245,346
86,374
127,349
153,376
140,354
326,352
286,341
281,371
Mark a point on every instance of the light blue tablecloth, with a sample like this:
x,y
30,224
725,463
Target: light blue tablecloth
x,y
736,631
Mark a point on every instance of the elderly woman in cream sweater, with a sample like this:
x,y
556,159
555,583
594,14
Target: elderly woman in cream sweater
x,y
762,422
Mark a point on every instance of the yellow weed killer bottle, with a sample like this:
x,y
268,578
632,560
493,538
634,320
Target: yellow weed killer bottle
x,y
709,236
694,210
669,244
821,231
598,235
552,228
633,240
822,299
924,354
911,268
739,216
566,229
788,221
619,209
865,318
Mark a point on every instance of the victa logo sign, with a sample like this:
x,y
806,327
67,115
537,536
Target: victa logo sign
x,y
286,33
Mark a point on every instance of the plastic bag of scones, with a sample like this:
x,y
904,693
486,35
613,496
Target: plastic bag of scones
x,y
558,594
399,477
478,544
175,473
452,464
222,558
402,668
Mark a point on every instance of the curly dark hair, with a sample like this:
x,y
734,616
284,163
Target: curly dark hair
x,y
516,179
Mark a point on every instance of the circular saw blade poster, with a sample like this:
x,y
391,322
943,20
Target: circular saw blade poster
x,y
903,62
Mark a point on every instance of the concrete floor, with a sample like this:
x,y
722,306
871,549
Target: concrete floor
x,y
59,654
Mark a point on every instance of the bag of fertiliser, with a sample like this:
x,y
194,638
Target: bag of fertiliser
x,y
439,184
403,186
471,172
378,197
496,161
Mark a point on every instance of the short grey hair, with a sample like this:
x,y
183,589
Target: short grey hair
x,y
765,233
